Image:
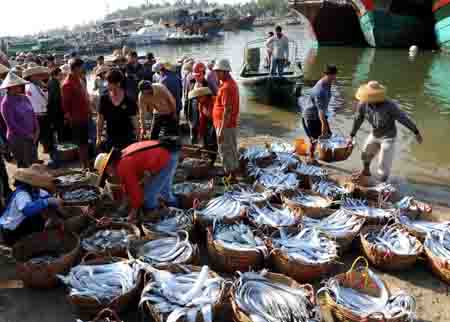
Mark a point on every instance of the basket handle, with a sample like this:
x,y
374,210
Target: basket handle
x,y
376,315
89,256
353,268
310,290
107,313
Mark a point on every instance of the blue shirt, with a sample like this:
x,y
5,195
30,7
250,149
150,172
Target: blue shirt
x,y
174,85
320,99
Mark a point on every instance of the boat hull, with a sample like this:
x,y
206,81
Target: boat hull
x,y
272,89
387,30
441,11
333,24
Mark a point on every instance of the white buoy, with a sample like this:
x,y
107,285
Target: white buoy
x,y
413,50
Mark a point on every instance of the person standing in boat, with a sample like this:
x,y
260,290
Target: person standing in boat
x,y
280,55
269,49
315,110
382,114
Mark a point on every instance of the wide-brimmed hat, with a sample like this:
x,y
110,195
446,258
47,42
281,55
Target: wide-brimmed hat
x,y
188,66
372,92
35,70
199,91
12,80
223,65
102,69
101,163
3,69
36,179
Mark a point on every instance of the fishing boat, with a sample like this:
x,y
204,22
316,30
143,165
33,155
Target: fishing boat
x,y
179,38
441,12
148,35
333,22
238,23
394,24
257,80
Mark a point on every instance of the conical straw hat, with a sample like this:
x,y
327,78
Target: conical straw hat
x,y
372,92
3,69
12,80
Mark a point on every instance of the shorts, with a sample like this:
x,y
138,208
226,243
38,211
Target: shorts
x,y
313,128
80,133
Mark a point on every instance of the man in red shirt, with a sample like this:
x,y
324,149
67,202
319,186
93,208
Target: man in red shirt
x,y
131,166
76,109
226,116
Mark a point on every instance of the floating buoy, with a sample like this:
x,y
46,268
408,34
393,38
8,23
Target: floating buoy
x,y
413,50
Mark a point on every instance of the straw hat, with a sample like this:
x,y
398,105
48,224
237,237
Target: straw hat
x,y
36,179
12,80
102,69
35,70
199,91
169,66
372,92
223,65
188,66
3,69
101,163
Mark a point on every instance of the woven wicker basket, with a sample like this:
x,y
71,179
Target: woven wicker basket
x,y
228,260
356,278
86,180
386,261
44,275
240,316
89,307
312,212
204,223
134,233
152,312
336,155
439,266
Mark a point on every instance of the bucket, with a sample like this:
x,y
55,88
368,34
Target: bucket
x,y
301,146
114,188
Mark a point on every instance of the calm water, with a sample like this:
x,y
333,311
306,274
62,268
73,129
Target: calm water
x,y
421,85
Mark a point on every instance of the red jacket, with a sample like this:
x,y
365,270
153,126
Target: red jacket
x,y
132,166
75,103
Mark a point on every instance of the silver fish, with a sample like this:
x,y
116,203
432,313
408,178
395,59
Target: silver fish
x,y
311,170
45,259
438,243
178,219
253,153
307,200
361,208
183,295
103,283
395,240
246,195
277,181
278,147
268,215
422,226
329,189
82,194
106,239
189,187
309,246
266,301
70,179
221,208
334,142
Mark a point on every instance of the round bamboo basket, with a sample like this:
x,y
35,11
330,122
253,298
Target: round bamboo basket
x,y
335,155
228,260
85,180
439,266
204,223
134,233
312,212
66,244
386,261
417,233
89,307
134,246
152,312
240,315
356,278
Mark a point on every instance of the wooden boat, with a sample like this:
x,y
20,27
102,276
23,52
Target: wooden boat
x,y
238,23
260,84
334,22
441,12
393,24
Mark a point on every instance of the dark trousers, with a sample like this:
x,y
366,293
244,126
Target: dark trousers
x,y
28,226
24,151
5,190
210,140
45,134
163,125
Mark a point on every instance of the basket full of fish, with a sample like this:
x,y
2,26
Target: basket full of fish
x,y
268,218
331,189
305,255
334,149
270,297
83,195
41,256
111,240
310,204
224,208
174,248
73,178
235,247
188,192
342,225
373,215
390,247
171,221
183,294
421,227
103,284
362,296
437,249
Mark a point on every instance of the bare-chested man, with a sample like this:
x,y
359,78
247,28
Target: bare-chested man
x,y
156,99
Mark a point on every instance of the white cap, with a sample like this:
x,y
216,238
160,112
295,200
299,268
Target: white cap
x,y
223,65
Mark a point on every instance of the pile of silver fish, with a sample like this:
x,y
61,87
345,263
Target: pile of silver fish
x,y
189,187
383,188
278,147
311,170
220,208
264,300
340,224
311,201
43,260
278,181
80,195
362,304
329,189
361,208
308,246
266,214
168,250
177,220
106,239
254,153
103,283
238,237
393,239
70,179
423,227
246,195
334,142
438,243
183,295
